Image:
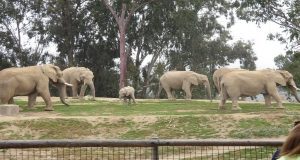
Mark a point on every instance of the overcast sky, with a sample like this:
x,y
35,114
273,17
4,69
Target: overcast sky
x,y
265,49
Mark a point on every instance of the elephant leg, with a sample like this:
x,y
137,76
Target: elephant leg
x,y
74,91
235,105
32,100
223,98
267,99
5,100
277,99
187,93
168,91
124,99
173,94
45,94
133,98
272,91
11,100
129,100
222,103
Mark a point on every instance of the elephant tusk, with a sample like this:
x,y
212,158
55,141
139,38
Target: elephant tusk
x,y
298,89
68,84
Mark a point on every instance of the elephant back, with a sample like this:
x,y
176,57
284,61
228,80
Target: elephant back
x,y
77,69
13,71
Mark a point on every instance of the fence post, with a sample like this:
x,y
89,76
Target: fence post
x,y
155,154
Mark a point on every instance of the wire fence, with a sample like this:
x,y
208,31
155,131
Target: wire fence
x,y
153,149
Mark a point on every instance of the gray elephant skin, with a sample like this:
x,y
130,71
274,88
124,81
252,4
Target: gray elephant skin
x,y
251,83
127,93
184,80
31,81
79,77
220,72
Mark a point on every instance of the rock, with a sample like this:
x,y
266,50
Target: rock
x,y
9,109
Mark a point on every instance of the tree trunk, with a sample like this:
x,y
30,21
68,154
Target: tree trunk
x,y
123,58
122,20
69,33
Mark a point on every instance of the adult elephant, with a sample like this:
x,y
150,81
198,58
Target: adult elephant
x,y
31,81
251,83
220,72
79,76
182,80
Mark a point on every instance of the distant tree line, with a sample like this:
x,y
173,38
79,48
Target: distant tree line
x,y
159,36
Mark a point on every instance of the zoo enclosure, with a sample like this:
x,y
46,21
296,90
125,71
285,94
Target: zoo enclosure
x,y
153,149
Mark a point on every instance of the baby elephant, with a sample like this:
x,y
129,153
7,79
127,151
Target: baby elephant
x,y
127,93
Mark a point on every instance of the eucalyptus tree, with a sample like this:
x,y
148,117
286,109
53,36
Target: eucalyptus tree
x,y
85,36
65,17
201,41
122,11
19,26
285,13
185,34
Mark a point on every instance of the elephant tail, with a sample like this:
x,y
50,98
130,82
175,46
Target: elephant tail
x,y
223,92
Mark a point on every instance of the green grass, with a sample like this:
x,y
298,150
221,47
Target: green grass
x,y
246,153
151,118
179,107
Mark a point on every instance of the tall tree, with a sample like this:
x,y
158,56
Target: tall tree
x,y
18,31
122,14
64,19
285,13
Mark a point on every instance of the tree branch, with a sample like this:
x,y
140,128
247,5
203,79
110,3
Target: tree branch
x,y
110,9
134,9
9,30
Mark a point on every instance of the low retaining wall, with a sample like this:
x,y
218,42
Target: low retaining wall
x,y
9,109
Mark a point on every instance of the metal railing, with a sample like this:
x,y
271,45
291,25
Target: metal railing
x,y
154,149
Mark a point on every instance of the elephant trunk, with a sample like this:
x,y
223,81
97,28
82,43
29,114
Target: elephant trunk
x,y
62,96
207,86
83,88
61,85
92,87
294,92
82,91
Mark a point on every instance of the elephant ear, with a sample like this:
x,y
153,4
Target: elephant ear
x,y
81,77
282,77
51,71
191,79
78,75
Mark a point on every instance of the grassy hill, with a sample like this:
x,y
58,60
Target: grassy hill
x,y
111,119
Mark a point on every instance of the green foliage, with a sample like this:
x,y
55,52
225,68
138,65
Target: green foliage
x,y
258,128
247,153
291,63
17,30
57,128
176,34
283,12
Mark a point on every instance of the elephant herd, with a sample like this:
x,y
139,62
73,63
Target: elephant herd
x,y
34,80
230,83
